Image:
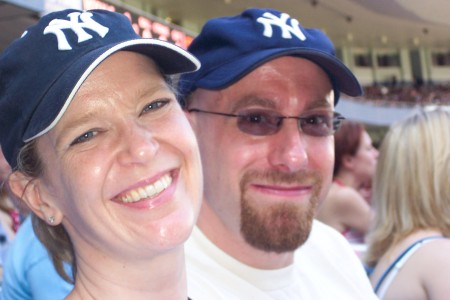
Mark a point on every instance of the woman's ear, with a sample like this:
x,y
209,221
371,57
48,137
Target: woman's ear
x,y
30,190
348,161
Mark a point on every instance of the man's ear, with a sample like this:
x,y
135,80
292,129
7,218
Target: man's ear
x,y
30,190
190,118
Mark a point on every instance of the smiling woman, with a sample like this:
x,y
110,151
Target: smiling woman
x,y
107,163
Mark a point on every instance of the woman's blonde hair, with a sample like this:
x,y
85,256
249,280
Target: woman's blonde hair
x,y
411,189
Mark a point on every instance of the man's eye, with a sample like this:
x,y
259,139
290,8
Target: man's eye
x,y
256,117
155,105
84,137
317,120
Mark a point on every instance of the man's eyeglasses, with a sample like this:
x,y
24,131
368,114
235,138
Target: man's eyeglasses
x,y
267,122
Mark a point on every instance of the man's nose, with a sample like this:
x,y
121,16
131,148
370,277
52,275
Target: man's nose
x,y
289,150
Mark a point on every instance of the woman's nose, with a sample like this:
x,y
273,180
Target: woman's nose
x,y
138,144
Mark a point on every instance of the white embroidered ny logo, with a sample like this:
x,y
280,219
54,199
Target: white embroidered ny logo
x,y
269,20
56,27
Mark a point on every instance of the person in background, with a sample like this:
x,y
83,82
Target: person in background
x,y
107,163
262,107
9,214
409,244
29,271
346,207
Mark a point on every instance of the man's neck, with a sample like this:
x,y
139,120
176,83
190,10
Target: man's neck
x,y
232,243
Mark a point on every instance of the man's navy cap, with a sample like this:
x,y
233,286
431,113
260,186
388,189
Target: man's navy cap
x,y
41,72
231,47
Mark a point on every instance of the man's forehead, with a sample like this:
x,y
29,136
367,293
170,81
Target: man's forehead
x,y
287,62
270,96
282,71
265,84
235,102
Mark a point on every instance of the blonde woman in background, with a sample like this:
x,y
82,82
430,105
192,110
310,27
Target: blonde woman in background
x,y
409,248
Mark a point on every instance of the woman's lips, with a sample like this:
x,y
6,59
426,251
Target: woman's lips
x,y
148,191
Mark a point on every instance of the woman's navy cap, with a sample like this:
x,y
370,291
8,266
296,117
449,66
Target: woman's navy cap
x,y
41,72
231,47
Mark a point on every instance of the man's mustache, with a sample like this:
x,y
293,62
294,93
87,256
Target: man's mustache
x,y
279,177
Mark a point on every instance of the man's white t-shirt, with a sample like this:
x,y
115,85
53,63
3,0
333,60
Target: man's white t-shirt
x,y
325,267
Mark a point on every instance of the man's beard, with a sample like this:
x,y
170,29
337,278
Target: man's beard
x,y
281,227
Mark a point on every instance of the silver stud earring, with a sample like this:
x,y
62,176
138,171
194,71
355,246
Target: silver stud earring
x,y
51,219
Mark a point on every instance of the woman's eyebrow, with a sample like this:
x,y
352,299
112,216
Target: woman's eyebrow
x,y
74,124
151,89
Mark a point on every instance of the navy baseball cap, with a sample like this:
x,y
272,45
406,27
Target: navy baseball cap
x,y
41,72
231,47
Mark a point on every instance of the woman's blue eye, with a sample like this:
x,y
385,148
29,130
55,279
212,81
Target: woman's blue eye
x,y
84,137
155,105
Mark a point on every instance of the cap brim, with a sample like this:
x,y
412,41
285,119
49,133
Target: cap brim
x,y
174,61
231,72
170,58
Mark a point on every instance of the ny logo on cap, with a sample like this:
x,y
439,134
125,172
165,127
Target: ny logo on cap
x,y
269,20
56,27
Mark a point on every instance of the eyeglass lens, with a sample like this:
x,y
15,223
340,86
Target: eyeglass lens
x,y
265,122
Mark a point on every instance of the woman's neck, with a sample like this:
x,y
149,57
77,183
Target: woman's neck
x,y
347,179
164,277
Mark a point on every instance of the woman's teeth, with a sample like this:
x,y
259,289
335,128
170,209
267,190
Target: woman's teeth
x,y
148,191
